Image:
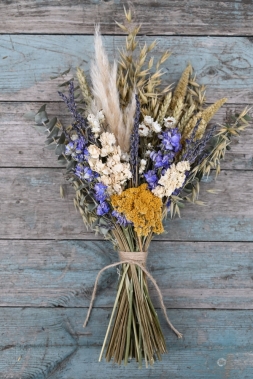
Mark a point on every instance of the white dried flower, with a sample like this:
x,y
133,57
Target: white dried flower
x,y
95,122
169,122
143,130
107,139
142,166
113,172
173,179
159,191
147,153
106,180
91,118
125,157
183,166
156,127
74,136
94,151
148,120
100,116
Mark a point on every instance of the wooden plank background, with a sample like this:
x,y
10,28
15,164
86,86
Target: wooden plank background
x,y
203,264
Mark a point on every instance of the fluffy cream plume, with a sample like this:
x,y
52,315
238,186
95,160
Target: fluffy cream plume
x,y
106,94
129,115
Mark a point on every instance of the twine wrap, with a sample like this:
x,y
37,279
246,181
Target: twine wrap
x,y
138,259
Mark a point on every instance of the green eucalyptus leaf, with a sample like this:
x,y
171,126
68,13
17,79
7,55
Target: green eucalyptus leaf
x,y
61,159
59,149
50,147
71,164
42,108
51,123
41,118
54,132
49,141
103,231
102,222
95,223
40,129
91,207
62,139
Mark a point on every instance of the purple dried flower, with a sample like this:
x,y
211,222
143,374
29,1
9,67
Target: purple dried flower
x,y
85,173
160,160
121,219
171,140
100,192
80,121
194,149
77,149
103,208
151,179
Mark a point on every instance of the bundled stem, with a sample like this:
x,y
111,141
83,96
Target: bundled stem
x,y
136,332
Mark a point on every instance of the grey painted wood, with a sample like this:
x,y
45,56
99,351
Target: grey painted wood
x,y
23,146
224,64
62,273
51,343
32,208
157,17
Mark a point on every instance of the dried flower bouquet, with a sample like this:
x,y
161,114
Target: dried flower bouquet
x,y
135,151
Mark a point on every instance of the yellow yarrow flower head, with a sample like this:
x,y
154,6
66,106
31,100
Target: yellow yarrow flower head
x,y
142,207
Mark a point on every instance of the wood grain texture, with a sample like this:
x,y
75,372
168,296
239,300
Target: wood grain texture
x,y
23,146
32,208
156,17
49,262
225,65
51,343
62,273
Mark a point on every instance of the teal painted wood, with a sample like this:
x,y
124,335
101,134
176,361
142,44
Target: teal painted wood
x,y
32,208
62,273
157,17
51,343
224,64
27,147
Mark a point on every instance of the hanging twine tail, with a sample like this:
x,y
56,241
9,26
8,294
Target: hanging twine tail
x,y
138,259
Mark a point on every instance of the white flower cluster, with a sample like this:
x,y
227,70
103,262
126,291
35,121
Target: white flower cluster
x,y
113,173
96,122
148,126
173,179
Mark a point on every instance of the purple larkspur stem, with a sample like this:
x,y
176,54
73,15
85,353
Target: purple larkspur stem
x,y
134,141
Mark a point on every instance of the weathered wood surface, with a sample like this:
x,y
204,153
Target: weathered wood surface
x,y
51,343
157,17
48,259
224,64
62,273
32,208
23,146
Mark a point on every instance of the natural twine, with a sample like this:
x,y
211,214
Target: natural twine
x,y
139,259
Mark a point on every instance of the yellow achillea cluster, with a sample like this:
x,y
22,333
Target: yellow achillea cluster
x,y
140,206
